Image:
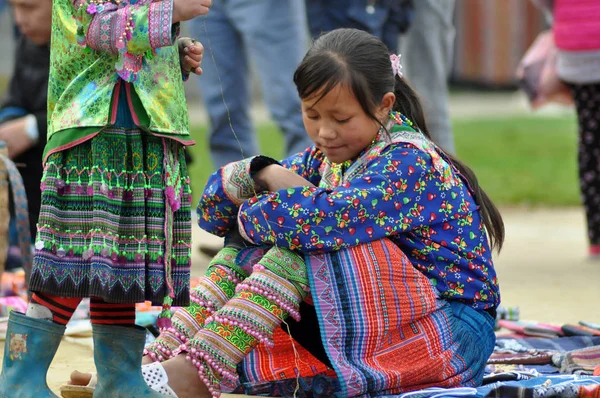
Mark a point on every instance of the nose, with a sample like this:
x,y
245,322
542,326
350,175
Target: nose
x,y
327,133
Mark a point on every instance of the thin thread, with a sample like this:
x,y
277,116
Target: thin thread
x,y
212,55
297,359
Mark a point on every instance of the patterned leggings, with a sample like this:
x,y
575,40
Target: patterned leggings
x,y
587,102
235,307
61,310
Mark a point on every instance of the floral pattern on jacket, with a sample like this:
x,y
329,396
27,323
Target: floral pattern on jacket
x,y
402,188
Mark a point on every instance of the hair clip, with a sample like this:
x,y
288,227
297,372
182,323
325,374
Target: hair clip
x,y
396,67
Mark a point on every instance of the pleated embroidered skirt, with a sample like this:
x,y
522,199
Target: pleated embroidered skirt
x,y
115,220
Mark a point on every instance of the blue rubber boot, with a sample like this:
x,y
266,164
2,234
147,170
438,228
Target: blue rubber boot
x,y
30,347
118,358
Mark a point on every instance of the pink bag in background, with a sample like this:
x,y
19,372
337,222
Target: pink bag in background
x,y
537,75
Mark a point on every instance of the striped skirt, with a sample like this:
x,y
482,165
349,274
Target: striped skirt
x,y
384,329
115,220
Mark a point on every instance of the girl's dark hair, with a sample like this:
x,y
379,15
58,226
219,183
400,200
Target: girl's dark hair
x,y
361,61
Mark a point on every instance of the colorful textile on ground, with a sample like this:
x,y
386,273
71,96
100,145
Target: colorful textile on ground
x,y
586,360
102,229
385,328
539,387
562,344
524,358
544,387
533,329
261,303
213,291
401,187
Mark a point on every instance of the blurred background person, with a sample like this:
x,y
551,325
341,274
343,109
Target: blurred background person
x,y
23,111
427,50
385,19
576,30
272,35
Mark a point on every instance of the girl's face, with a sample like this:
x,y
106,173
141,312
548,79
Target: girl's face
x,y
337,124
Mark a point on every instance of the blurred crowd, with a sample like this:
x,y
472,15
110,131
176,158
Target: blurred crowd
x,y
273,35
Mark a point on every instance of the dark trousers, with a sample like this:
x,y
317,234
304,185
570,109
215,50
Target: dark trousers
x,y
587,102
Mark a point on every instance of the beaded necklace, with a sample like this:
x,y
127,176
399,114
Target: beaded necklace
x,y
338,169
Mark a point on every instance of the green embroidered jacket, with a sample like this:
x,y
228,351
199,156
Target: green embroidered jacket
x,y
94,44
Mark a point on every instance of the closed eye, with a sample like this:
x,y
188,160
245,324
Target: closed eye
x,y
343,120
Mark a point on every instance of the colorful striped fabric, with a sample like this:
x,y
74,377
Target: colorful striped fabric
x,y
586,359
115,220
384,329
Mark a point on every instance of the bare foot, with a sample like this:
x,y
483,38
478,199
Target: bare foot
x,y
80,379
183,378
146,360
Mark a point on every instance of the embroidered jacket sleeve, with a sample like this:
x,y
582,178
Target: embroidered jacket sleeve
x,y
135,28
399,191
231,185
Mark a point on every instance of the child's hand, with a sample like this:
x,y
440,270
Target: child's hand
x,y
184,10
275,178
190,55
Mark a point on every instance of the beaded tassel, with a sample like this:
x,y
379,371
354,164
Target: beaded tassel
x,y
213,291
275,289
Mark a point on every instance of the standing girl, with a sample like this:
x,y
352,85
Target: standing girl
x,y
115,219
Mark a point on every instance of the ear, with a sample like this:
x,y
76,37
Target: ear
x,y
387,103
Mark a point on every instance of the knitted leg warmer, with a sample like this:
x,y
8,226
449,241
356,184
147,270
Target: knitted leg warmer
x,y
274,290
214,290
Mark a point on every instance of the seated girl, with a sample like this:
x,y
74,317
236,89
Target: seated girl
x,y
375,244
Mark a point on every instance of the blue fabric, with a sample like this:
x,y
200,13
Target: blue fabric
x,y
11,112
30,347
566,380
474,331
557,386
327,15
562,344
124,117
270,33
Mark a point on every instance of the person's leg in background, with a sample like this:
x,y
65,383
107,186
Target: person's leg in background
x,y
587,102
225,89
427,50
275,37
225,85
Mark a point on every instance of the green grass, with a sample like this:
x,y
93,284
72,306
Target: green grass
x,y
518,161
531,161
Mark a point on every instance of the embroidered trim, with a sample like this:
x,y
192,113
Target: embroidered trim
x,y
103,31
237,183
160,20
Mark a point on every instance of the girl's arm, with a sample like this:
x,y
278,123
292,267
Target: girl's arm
x,y
400,191
133,29
232,184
